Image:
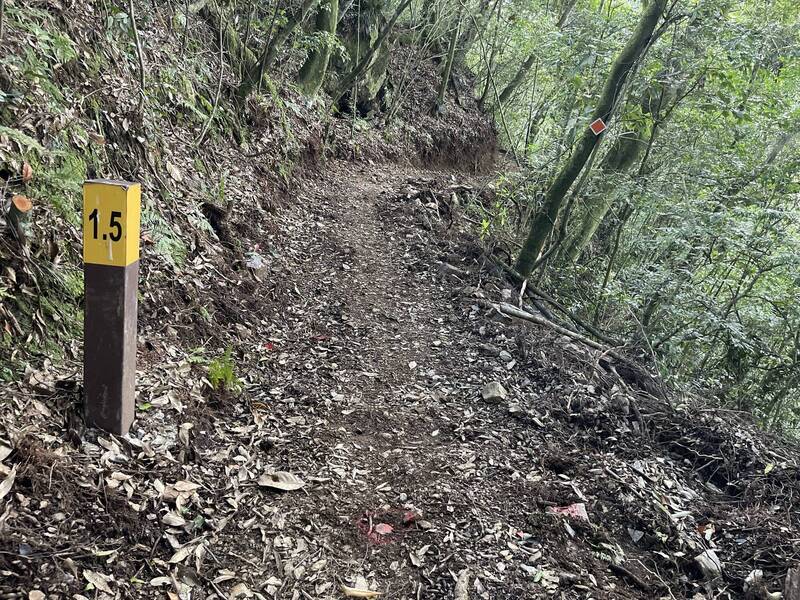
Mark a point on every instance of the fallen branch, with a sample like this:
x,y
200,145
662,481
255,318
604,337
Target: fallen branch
x,y
532,292
633,373
512,311
462,586
622,571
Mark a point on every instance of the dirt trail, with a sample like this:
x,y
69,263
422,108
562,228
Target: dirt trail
x,y
363,353
404,435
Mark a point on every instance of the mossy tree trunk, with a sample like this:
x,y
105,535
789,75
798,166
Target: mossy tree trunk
x,y
280,37
474,29
255,71
544,222
312,73
234,47
366,60
518,78
623,154
526,65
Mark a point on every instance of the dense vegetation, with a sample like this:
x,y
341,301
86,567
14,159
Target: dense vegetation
x,y
680,233
673,233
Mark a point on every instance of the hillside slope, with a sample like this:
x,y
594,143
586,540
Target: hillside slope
x,y
329,274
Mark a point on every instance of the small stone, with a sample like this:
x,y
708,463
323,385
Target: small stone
x,y
709,564
494,392
505,356
489,349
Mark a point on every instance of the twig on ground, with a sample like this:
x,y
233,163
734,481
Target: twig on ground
x,y
139,54
620,570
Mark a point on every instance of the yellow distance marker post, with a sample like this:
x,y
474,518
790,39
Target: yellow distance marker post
x,y
111,215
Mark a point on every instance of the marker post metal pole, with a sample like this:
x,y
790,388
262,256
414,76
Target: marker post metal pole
x,y
111,215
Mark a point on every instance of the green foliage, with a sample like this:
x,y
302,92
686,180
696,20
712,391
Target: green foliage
x,y
167,241
222,373
696,263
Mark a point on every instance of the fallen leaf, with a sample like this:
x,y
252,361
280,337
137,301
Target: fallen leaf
x,y
576,511
5,487
186,486
383,529
173,519
319,565
98,580
181,554
281,480
27,172
240,590
174,172
359,593
462,586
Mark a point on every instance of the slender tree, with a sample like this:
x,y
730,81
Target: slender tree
x,y
544,221
448,66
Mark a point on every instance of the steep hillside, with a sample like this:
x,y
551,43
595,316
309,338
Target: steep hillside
x,y
212,165
340,392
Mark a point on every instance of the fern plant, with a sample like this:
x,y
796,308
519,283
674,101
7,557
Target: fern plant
x,y
222,373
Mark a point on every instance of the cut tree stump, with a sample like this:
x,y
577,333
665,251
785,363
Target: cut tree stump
x,y
18,215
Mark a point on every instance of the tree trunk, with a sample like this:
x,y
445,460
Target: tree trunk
x,y
490,62
17,218
283,34
622,156
543,223
230,40
312,73
518,78
566,9
254,72
474,29
348,80
448,67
